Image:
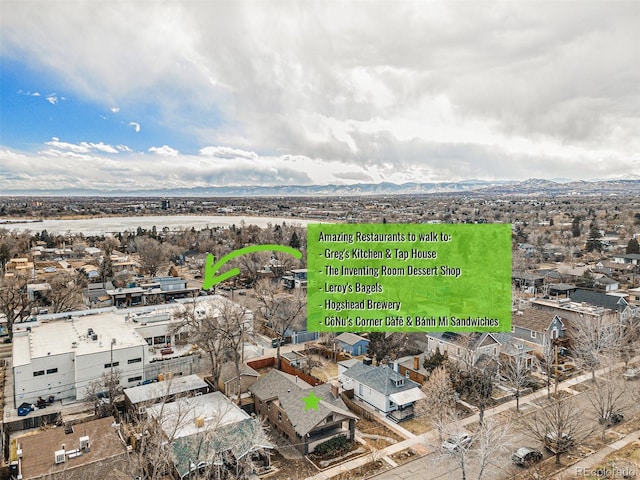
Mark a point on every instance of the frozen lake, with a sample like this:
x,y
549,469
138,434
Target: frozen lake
x,y
101,225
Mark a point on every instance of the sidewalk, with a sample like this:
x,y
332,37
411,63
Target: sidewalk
x,y
586,464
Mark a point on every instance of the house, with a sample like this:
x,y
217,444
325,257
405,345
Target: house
x,y
95,295
630,258
606,283
614,303
87,450
228,383
352,343
208,432
570,309
538,327
412,367
138,398
465,347
343,366
384,389
278,397
296,278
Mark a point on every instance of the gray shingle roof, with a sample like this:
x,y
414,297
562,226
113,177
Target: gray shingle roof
x,y
228,371
381,379
274,383
280,385
304,421
599,299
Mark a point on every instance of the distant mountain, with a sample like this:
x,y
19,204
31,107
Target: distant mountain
x,y
529,187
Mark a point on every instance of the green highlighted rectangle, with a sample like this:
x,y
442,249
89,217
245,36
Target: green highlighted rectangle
x,y
403,277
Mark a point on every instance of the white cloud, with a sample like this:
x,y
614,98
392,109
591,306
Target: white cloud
x,y
83,147
115,109
165,151
52,98
227,152
135,125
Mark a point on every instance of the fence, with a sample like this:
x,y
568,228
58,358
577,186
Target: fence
x,y
354,407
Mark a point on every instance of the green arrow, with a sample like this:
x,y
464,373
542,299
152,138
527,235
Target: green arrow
x,y
210,269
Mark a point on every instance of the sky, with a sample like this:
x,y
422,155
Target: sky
x,y
140,94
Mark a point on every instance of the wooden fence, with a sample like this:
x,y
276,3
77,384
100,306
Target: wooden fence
x,y
355,408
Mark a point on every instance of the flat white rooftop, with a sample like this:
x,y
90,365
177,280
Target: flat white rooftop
x,y
57,334
158,390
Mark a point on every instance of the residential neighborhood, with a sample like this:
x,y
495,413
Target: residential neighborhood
x,y
113,339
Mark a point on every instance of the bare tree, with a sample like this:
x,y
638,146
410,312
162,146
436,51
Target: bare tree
x,y
152,254
282,311
458,450
65,294
477,386
559,425
594,340
547,361
608,399
516,372
490,442
232,322
439,402
203,326
102,393
14,300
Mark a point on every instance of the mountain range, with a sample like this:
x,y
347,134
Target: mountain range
x,y
532,186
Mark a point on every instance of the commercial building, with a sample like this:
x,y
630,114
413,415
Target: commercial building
x,y
59,355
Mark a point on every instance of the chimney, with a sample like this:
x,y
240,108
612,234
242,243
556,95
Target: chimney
x,y
334,390
416,363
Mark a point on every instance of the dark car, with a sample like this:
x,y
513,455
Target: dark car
x,y
526,456
612,419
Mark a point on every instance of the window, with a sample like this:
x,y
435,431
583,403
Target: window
x,y
159,340
52,370
279,416
149,340
533,334
134,360
406,373
134,379
360,389
38,373
399,383
109,365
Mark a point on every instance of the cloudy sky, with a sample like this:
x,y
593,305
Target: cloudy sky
x,y
147,94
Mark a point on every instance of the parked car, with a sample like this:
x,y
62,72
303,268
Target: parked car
x,y
558,443
526,456
612,419
457,442
631,373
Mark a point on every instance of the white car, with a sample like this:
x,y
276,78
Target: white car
x,y
457,442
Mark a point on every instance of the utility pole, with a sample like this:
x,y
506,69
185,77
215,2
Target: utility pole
x,y
555,349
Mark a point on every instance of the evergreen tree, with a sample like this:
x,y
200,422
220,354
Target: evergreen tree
x,y
575,227
633,246
593,242
295,241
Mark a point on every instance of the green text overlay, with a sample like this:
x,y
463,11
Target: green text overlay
x,y
403,277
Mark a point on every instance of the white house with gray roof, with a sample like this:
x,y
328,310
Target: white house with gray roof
x,y
384,389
